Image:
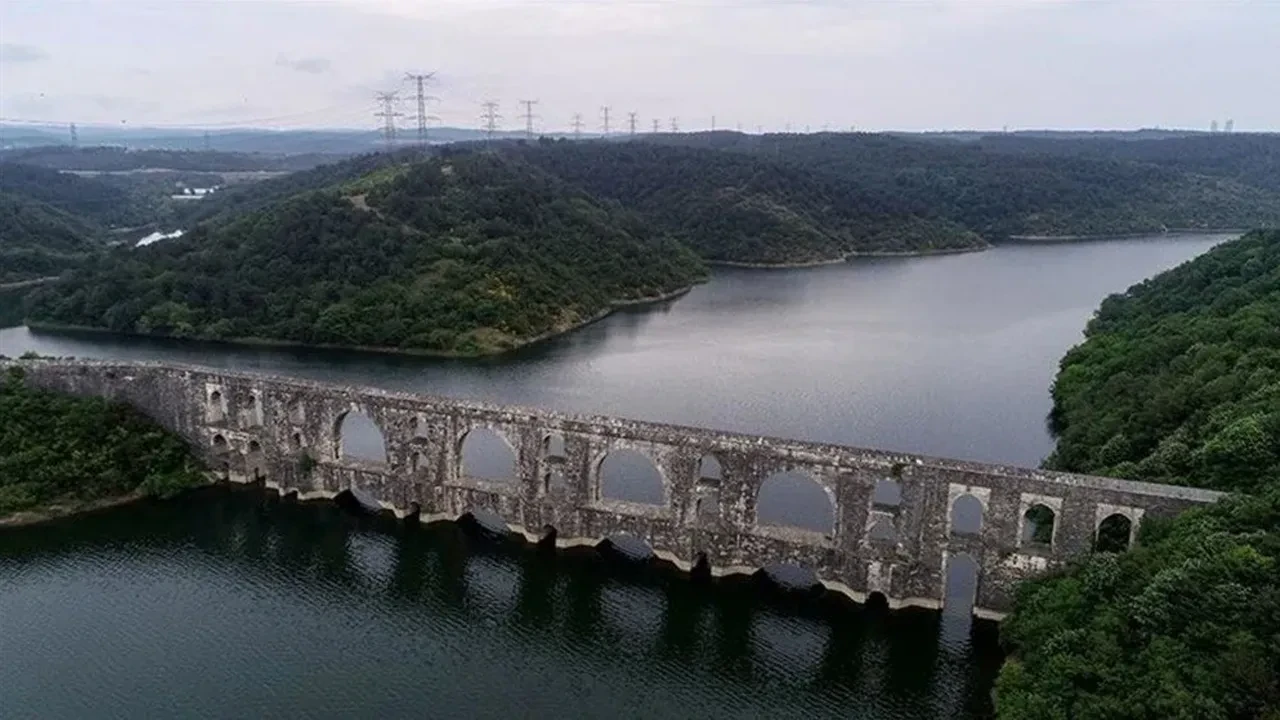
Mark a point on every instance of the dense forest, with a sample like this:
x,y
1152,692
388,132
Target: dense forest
x,y
38,240
119,159
734,208
61,450
1178,381
89,199
1186,626
999,194
1251,159
464,253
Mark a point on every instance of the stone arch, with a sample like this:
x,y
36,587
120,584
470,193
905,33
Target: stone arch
x,y
417,462
966,515
554,482
960,583
214,409
709,468
553,446
1114,533
1038,525
795,499
254,463
358,437
888,493
296,440
486,454
631,476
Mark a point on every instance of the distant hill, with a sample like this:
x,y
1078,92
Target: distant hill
x,y
119,159
732,208
93,201
38,240
1002,194
1250,159
463,253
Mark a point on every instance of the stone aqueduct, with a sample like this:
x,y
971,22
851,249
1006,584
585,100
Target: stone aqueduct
x,y
251,427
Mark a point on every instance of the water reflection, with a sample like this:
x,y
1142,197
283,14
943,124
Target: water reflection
x,y
297,596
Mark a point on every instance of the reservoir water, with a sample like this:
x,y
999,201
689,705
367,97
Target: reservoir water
x,y
235,604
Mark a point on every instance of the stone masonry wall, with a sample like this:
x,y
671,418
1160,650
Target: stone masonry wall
x,y
253,427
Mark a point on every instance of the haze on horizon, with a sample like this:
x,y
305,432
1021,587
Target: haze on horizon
x,y
904,64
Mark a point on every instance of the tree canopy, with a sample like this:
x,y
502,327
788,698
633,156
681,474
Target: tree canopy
x,y
463,253
57,449
1178,381
998,194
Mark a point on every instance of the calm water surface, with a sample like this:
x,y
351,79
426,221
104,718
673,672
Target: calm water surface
x,y
232,604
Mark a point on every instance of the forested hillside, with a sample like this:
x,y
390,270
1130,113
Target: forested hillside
x,y
464,253
38,240
92,201
1251,159
734,208
999,194
61,450
1178,381
119,159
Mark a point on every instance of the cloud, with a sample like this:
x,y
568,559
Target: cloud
x,y
15,53
309,65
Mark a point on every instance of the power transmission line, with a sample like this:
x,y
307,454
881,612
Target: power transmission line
x,y
675,124
75,136
490,117
528,117
388,114
657,125
631,123
604,113
421,80
577,126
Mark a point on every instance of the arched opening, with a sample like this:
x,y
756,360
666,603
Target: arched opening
x,y
219,443
883,529
1115,534
554,483
486,455
416,462
888,493
548,539
795,499
255,461
296,440
360,439
488,521
709,468
419,427
790,576
962,584
701,569
215,406
877,602
553,446
966,515
629,547
632,477
706,508
1037,525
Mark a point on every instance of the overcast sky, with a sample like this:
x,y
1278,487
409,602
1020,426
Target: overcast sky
x,y
905,64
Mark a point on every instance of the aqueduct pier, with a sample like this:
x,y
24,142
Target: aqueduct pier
x,y
287,433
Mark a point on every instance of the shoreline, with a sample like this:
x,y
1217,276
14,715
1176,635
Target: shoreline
x,y
1122,236
847,257
613,307
25,518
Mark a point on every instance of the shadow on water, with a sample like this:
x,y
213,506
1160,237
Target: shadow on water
x,y
292,593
